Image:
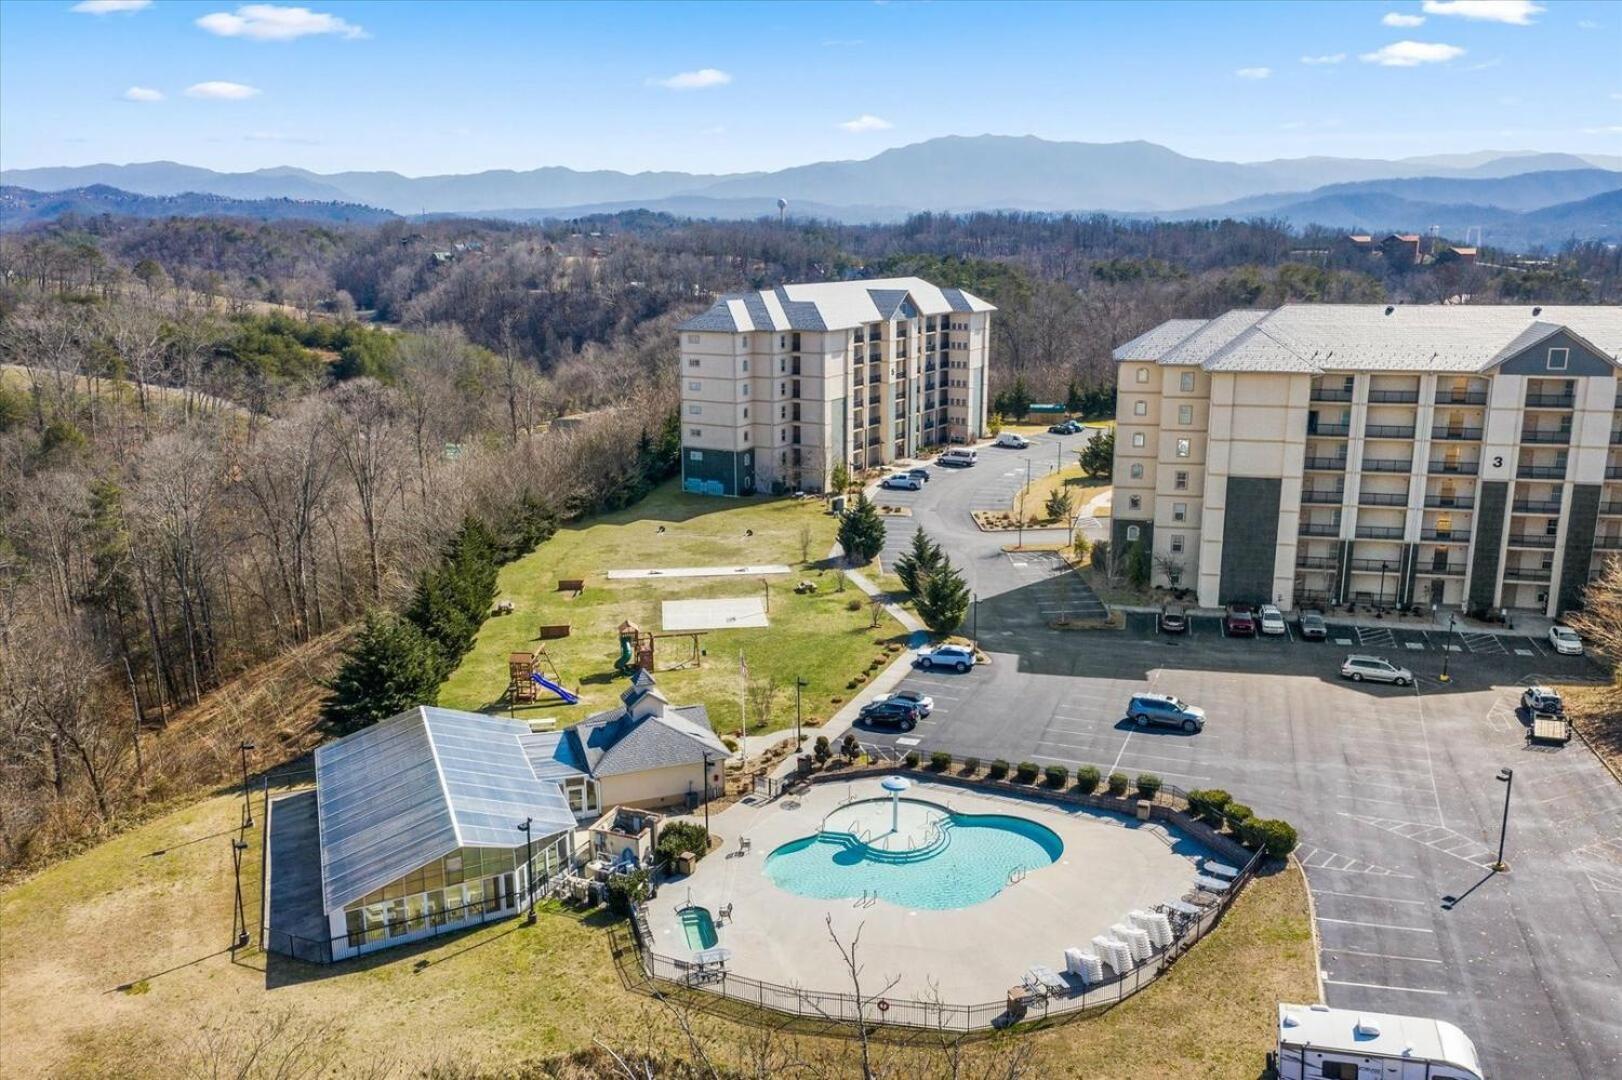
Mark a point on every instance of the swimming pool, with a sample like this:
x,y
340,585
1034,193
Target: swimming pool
x,y
699,928
966,859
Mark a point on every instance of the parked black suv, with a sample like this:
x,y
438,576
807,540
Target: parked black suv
x,y
896,714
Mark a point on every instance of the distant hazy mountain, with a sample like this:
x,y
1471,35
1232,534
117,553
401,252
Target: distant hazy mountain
x,y
1528,191
952,173
20,206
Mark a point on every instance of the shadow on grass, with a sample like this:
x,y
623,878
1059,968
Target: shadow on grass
x,y
134,984
235,789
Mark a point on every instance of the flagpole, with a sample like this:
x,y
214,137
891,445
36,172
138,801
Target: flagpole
x,y
743,712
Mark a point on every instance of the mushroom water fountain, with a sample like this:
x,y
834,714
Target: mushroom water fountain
x,y
895,785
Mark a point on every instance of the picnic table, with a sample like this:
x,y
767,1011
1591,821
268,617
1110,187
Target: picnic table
x,y
1211,884
1221,870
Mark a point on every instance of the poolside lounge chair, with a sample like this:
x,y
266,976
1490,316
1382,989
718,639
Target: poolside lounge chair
x,y
1216,869
743,844
1211,884
1049,980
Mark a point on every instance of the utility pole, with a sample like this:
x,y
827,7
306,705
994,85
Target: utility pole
x,y
1507,776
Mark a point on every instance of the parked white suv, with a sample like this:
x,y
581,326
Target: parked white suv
x,y
958,458
956,657
1375,669
1272,619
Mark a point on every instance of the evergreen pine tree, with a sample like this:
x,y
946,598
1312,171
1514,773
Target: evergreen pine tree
x,y
1098,456
1075,402
944,599
861,531
390,667
920,561
1059,504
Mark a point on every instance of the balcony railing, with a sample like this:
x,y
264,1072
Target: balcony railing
x,y
1613,472
1616,437
1452,434
1610,509
1445,536
1382,498
1441,570
1461,397
1335,498
1536,506
1326,464
1450,502
1313,528
1395,465
1455,468
1543,472
1316,562
1388,431
1375,566
1531,540
1527,573
1546,437
1608,543
1330,393
1550,401
1379,532
1399,397
1329,431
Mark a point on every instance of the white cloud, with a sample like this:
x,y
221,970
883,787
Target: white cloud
x,y
143,93
1397,18
278,137
272,22
1587,24
843,43
702,79
1513,12
867,122
1326,58
110,7
1254,72
1412,54
1614,129
221,91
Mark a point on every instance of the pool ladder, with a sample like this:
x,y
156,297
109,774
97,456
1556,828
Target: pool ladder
x,y
1015,876
868,899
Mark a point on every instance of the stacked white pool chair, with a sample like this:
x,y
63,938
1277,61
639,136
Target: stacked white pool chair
x,y
1157,926
1114,953
1137,940
1085,966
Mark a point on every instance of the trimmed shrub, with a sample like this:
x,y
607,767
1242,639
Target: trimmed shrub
x,y
821,749
998,770
940,761
1208,805
911,759
1148,785
850,747
853,604
1236,815
1275,837
624,889
730,743
1026,772
1117,784
1087,778
677,837
1057,776
971,765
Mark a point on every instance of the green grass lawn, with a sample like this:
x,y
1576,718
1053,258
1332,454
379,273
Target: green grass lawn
x,y
814,636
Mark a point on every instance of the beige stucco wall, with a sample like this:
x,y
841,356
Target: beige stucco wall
x,y
659,787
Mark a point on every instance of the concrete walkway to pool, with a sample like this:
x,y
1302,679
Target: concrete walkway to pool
x,y
1111,864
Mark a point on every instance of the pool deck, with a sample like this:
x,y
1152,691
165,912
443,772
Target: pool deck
x,y
1111,865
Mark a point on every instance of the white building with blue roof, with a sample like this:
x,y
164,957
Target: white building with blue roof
x,y
781,385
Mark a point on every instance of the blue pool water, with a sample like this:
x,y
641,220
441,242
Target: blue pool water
x,y
968,864
698,927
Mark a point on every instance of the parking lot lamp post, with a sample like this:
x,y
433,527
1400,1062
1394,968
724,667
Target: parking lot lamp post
x,y
974,601
241,940
529,867
1447,647
799,685
247,806
1380,607
707,792
1507,775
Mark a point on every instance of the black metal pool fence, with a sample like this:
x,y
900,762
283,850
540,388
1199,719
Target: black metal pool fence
x,y
850,1008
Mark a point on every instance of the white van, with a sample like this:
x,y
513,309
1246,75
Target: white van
x,y
1013,441
959,457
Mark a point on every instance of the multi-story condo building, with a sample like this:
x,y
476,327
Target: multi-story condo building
x,y
780,386
1461,456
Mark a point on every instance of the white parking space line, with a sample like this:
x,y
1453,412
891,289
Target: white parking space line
x,y
1380,955
1118,754
1366,896
1382,986
1377,926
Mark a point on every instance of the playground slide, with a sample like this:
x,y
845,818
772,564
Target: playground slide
x,y
542,680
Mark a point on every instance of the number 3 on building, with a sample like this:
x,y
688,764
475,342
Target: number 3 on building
x,y
1498,461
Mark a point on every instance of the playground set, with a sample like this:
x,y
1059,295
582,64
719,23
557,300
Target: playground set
x,y
530,673
637,647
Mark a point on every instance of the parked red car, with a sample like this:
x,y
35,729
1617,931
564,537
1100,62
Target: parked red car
x,y
1240,620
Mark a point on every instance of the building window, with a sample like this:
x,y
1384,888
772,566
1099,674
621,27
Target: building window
x,y
1134,502
1132,532
1558,359
1551,526
1185,414
1140,408
1179,480
746,412
695,455
1143,374
746,436
1186,381
695,410
692,339
1182,447
746,364
1137,438
1177,545
1179,511
1137,472
695,432
695,386
693,363
743,390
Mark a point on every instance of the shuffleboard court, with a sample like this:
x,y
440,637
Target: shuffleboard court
x,y
699,571
725,613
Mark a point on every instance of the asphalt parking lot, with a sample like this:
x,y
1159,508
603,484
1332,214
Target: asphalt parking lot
x,y
1393,790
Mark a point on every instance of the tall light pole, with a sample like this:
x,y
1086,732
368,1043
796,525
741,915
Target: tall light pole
x,y
247,805
799,685
974,600
529,866
1507,775
241,939
706,793
1380,610
1447,652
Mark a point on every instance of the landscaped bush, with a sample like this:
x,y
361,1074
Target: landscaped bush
x,y
1057,776
1026,773
1208,804
853,604
680,836
911,759
730,743
821,749
940,761
850,747
1148,785
1275,837
1236,815
623,889
998,770
1087,778
1117,784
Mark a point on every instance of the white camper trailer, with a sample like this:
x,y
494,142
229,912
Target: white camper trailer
x,y
1315,1041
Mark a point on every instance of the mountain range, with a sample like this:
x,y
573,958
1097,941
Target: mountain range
x,y
20,207
962,173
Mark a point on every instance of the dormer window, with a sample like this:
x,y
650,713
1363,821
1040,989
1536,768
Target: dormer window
x,y
1559,359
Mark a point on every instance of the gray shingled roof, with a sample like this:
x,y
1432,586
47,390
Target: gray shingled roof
x,y
835,305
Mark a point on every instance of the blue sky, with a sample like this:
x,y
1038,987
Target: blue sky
x,y
438,88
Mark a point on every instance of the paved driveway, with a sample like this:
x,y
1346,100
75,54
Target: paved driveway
x,y
1393,791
